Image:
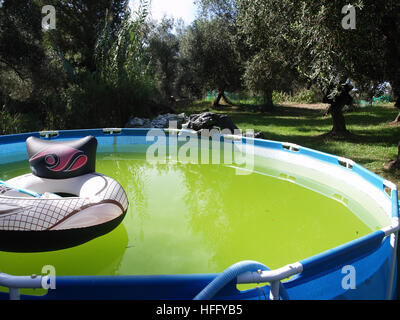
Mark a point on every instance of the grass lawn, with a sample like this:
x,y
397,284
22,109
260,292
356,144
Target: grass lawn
x,y
374,143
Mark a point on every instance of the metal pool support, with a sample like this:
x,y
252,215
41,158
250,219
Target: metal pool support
x,y
15,283
316,277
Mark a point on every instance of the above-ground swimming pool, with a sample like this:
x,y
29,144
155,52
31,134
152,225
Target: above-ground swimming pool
x,y
325,226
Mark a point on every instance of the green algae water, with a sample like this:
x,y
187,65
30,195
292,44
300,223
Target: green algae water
x,y
191,218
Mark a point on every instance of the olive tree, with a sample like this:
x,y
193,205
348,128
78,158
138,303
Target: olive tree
x,y
163,49
209,47
310,36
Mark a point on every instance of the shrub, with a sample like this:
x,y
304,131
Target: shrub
x,y
120,87
96,103
11,123
280,97
301,96
305,96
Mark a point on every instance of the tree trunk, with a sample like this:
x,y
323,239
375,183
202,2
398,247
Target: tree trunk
x,y
339,122
226,99
336,110
218,98
398,155
328,111
268,103
394,165
397,120
397,105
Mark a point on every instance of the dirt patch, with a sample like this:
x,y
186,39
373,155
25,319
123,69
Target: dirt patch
x,y
314,106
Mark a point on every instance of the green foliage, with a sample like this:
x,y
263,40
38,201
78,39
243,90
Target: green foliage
x,y
17,123
9,123
226,9
25,68
304,40
104,92
240,98
267,54
78,25
121,85
305,96
301,96
163,50
20,33
119,58
96,103
209,51
99,66
280,97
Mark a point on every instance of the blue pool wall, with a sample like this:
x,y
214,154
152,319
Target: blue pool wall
x,y
321,279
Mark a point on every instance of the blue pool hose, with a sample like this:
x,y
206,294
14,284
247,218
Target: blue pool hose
x,y
229,275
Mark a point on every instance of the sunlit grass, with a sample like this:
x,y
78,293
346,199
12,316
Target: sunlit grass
x,y
373,145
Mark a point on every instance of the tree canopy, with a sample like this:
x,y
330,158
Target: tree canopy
x,y
306,39
79,24
233,45
209,48
163,49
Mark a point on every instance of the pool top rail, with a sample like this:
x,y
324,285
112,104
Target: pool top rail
x,y
274,277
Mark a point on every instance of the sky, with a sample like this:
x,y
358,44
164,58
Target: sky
x,y
184,9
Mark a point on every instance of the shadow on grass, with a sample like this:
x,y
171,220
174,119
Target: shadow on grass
x,y
370,125
383,136
372,116
307,127
372,142
280,120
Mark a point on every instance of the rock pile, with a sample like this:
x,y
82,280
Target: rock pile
x,y
162,121
196,122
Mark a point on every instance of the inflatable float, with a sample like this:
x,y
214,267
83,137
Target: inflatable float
x,y
63,202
